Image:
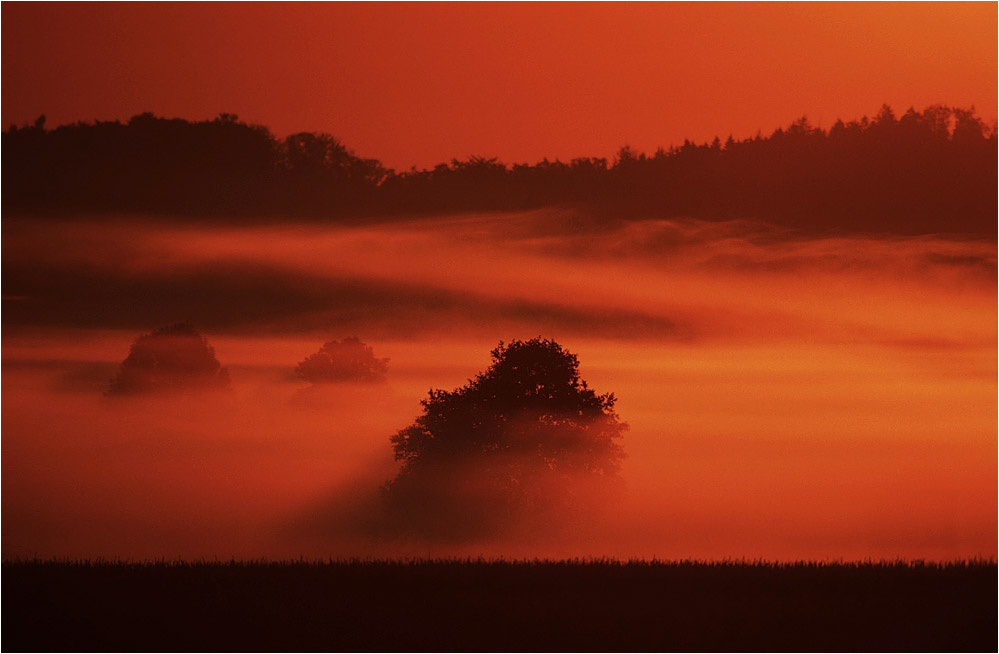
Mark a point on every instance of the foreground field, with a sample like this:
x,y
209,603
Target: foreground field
x,y
498,606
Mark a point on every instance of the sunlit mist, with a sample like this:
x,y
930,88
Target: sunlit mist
x,y
788,397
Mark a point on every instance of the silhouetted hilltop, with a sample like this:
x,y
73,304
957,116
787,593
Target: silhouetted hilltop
x,y
929,171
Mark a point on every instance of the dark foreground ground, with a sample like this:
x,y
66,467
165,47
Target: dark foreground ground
x,y
498,606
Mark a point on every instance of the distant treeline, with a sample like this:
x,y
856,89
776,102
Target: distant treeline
x,y
928,171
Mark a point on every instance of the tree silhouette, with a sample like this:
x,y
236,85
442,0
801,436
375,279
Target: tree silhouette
x,y
524,440
341,361
173,358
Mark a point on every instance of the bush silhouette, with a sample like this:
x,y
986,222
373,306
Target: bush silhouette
x,y
522,443
173,358
343,361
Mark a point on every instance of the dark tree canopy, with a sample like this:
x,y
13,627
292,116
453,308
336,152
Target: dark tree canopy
x,y
525,438
173,358
343,361
917,172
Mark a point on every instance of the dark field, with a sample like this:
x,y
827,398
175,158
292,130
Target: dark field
x,y
498,606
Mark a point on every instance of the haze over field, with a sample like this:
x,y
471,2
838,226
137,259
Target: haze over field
x,y
788,397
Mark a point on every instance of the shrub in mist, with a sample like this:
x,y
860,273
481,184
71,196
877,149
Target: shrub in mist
x,y
349,360
524,445
170,359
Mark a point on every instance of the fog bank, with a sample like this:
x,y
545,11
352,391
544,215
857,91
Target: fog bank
x,y
788,397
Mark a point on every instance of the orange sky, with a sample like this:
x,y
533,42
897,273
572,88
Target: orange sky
x,y
417,84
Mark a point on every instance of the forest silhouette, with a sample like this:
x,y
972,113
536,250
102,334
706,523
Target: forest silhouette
x,y
922,172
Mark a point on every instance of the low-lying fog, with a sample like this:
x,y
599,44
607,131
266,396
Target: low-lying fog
x,y
788,397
